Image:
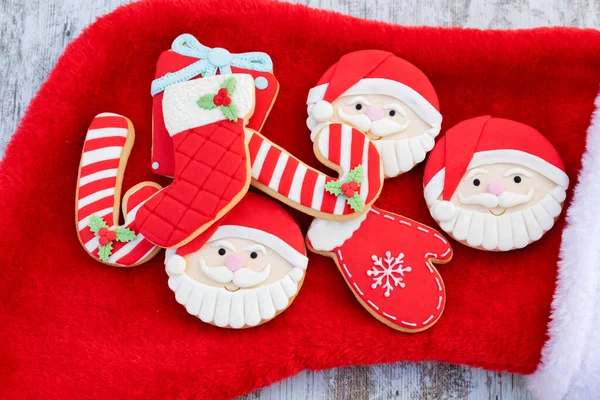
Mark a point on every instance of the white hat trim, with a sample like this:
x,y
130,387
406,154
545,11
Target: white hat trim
x,y
570,364
388,87
282,248
435,186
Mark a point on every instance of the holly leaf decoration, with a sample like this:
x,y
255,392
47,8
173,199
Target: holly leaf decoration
x,y
230,112
105,251
96,223
356,203
356,175
124,234
206,102
229,84
334,187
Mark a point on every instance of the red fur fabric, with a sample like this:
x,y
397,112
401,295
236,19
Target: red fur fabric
x,y
72,327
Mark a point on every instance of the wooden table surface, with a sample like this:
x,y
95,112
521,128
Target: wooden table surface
x,y
33,33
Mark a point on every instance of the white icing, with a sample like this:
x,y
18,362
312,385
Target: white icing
x,y
181,112
519,231
321,111
265,304
280,299
326,235
505,234
194,302
475,237
100,194
401,155
209,301
443,211
183,292
534,229
107,173
236,313
106,132
490,233
289,286
461,228
251,310
222,308
105,153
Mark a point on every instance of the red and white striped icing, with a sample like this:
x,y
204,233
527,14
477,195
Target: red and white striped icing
x,y
341,145
101,161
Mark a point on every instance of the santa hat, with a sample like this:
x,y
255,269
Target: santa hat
x,y
254,218
486,140
373,72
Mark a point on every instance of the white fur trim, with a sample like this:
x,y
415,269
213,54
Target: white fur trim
x,y
282,248
175,265
389,87
182,113
326,235
570,366
436,185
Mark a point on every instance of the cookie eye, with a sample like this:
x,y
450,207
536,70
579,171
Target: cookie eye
x,y
392,113
358,107
222,251
517,179
253,254
476,182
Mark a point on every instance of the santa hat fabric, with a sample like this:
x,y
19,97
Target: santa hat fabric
x,y
486,140
374,72
259,219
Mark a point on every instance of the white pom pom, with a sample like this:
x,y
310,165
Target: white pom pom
x,y
175,265
443,211
321,111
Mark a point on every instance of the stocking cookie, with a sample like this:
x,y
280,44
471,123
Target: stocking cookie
x,y
386,260
495,184
206,118
189,59
107,146
384,96
245,270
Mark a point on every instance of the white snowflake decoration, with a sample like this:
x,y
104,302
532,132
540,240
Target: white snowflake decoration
x,y
392,272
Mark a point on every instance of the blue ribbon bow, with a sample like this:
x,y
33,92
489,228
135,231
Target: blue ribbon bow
x,y
211,61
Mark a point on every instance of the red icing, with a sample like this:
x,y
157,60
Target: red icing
x,y
218,100
111,235
102,231
162,143
103,240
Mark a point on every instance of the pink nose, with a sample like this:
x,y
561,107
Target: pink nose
x,y
495,188
374,113
234,263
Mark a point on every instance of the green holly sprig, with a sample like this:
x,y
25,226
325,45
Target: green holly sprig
x,y
349,188
106,236
221,99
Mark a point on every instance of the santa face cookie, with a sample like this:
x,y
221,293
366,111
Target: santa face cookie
x,y
248,271
495,184
384,96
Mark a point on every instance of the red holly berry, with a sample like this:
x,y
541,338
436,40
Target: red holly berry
x,y
103,240
226,101
349,193
218,100
354,185
111,235
345,187
222,92
102,231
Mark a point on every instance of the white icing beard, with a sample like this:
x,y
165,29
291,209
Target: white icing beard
x,y
398,155
244,307
243,277
509,231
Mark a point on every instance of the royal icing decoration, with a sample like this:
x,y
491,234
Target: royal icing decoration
x,y
386,260
187,60
340,147
106,148
384,96
495,184
106,236
212,171
221,99
348,188
244,273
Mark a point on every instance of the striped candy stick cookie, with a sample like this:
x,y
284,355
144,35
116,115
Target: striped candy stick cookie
x,y
339,147
106,149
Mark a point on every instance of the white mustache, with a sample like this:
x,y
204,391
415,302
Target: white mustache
x,y
243,277
505,200
381,127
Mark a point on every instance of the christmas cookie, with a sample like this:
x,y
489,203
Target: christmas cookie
x,y
495,184
189,59
340,147
245,270
384,96
205,118
386,260
107,146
